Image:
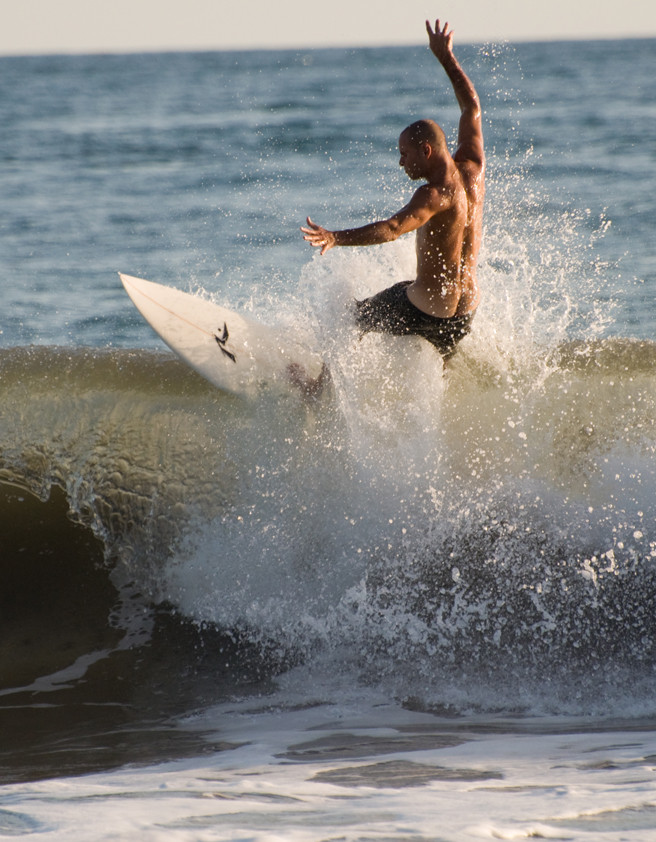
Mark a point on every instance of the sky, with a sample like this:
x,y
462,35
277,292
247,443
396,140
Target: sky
x,y
92,26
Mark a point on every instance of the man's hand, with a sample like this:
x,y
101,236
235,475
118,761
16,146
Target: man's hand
x,y
318,237
440,41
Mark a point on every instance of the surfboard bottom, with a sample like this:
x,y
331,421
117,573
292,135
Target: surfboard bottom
x,y
232,351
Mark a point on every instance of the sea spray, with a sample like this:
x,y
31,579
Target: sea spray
x,y
438,529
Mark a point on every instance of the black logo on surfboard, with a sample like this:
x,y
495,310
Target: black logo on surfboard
x,y
221,339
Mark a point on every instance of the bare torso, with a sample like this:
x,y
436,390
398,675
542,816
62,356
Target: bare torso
x,y
447,249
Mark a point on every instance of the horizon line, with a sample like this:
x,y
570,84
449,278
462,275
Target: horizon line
x,y
161,49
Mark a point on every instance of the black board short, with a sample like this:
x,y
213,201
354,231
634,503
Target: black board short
x,y
391,311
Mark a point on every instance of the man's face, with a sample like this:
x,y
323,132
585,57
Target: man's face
x,y
412,157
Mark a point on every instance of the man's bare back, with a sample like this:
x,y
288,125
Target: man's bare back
x,y
446,212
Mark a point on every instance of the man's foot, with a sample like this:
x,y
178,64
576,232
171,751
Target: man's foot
x,y
310,386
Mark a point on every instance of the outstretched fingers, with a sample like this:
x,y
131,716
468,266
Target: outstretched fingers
x,y
440,39
439,30
311,232
318,237
313,227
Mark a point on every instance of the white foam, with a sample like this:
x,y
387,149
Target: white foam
x,y
493,779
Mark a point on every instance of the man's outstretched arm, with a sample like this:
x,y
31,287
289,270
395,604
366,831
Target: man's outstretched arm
x,y
426,202
470,132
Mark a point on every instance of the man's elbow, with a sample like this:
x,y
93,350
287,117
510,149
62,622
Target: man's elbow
x,y
471,108
390,231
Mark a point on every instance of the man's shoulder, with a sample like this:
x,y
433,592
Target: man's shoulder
x,y
433,193
424,197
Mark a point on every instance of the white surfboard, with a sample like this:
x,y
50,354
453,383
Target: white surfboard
x,y
231,351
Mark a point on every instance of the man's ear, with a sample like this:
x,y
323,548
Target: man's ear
x,y
427,149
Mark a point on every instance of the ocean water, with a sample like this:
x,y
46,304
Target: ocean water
x,y
422,607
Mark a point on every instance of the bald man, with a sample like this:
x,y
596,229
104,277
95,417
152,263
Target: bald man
x,y
447,214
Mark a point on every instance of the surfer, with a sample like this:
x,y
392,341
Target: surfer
x,y
446,212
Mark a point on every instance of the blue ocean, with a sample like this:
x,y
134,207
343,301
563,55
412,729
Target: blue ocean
x,y
423,608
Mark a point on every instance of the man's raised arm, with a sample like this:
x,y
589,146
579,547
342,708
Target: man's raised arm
x,y
470,132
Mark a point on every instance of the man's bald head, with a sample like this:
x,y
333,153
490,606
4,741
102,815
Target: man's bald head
x,y
426,131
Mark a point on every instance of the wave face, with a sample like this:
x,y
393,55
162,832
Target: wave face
x,y
480,540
